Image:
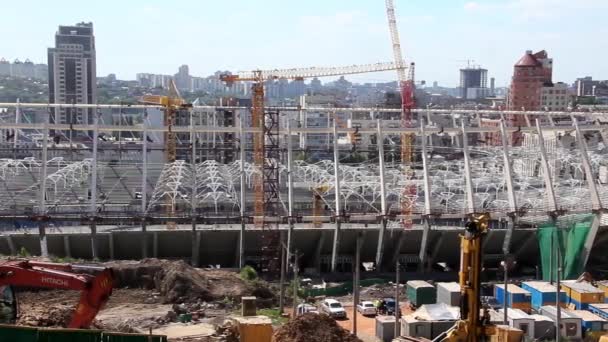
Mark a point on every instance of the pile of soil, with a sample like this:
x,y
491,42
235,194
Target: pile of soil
x,y
178,282
312,327
43,309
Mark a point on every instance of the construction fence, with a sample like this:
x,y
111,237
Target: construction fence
x,y
12,333
562,243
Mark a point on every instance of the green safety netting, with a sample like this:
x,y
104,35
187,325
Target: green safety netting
x,y
566,240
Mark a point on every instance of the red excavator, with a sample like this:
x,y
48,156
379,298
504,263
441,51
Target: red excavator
x,y
95,283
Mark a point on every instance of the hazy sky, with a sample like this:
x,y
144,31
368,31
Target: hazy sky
x,y
439,35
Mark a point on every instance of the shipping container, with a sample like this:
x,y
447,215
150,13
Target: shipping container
x,y
544,328
517,298
590,321
420,292
571,327
448,293
603,285
520,320
581,294
385,328
542,293
600,309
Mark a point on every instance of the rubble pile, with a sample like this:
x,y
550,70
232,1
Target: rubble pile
x,y
312,327
179,282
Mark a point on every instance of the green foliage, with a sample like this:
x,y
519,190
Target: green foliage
x,y
289,291
23,253
248,273
274,315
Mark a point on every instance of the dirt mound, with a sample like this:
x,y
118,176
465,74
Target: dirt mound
x,y
178,282
59,315
313,327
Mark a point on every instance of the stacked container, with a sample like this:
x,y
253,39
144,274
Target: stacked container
x,y
571,325
520,320
600,309
544,328
591,322
517,298
420,292
580,295
603,285
542,293
448,293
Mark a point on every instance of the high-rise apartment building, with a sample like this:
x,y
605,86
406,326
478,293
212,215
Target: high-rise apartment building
x,y
72,72
473,83
183,80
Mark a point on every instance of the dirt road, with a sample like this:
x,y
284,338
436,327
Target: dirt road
x,y
366,326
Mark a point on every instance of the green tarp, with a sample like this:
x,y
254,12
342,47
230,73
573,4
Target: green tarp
x,y
568,241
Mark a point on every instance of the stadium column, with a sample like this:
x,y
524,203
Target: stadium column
x,y
44,252
427,200
93,188
508,174
383,213
336,243
595,197
144,186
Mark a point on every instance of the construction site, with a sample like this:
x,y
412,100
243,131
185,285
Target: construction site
x,y
175,202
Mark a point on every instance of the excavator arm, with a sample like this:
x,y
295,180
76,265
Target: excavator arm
x,y
95,284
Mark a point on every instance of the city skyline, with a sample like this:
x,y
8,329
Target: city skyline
x,y
493,33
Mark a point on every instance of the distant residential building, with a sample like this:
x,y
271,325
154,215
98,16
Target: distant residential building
x,y
555,97
473,83
183,80
25,69
72,72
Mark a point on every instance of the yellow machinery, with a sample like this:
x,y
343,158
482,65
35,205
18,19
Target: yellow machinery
x,y
171,103
473,326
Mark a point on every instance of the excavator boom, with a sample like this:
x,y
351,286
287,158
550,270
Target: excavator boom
x,y
95,284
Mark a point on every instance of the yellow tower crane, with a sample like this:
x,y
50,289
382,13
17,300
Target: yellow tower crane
x,y
258,77
171,103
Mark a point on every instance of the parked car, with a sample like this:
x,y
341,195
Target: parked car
x,y
366,308
387,306
333,308
304,308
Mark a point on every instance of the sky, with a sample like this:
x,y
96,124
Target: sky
x,y
440,36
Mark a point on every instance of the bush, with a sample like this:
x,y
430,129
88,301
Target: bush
x,y
248,273
24,253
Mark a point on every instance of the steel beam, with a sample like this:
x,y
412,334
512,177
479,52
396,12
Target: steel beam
x,y
549,192
336,243
508,174
144,186
383,213
470,203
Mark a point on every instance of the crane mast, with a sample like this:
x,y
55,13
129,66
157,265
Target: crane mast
x,y
406,88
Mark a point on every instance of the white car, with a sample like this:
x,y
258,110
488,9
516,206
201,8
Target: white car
x,y
333,308
367,308
305,308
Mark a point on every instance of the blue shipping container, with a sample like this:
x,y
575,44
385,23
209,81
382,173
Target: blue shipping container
x,y
542,293
515,294
599,309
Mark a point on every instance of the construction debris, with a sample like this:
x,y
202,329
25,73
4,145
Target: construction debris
x,y
311,327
